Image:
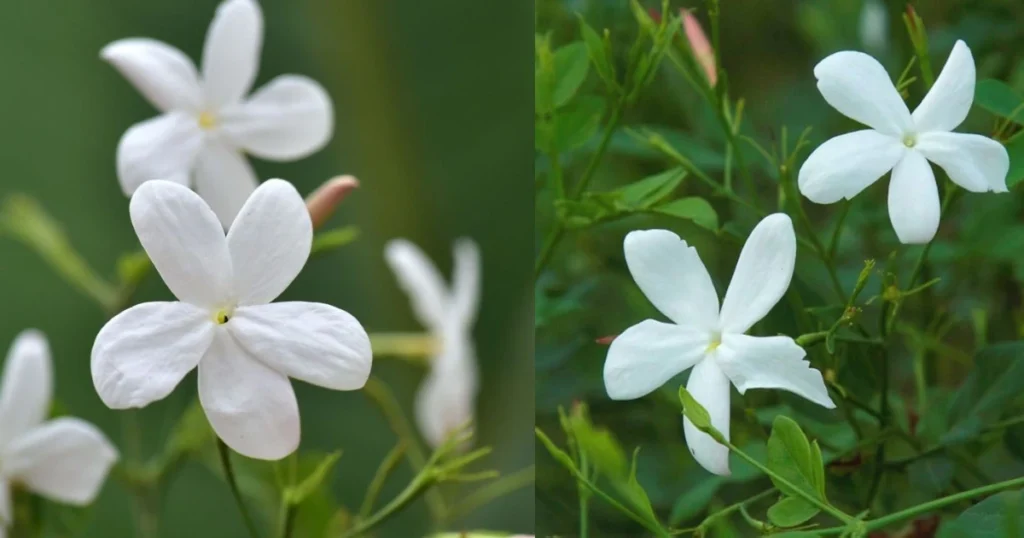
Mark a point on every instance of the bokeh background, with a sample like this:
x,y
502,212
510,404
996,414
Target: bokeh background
x,y
433,115
768,50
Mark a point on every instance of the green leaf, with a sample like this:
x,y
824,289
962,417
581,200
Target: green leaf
x,y
192,431
790,457
694,500
571,63
636,493
646,192
1015,148
1000,99
575,124
1013,438
991,386
818,467
931,476
601,448
332,239
791,512
640,196
699,416
598,53
133,267
543,76
300,492
990,518
558,454
694,209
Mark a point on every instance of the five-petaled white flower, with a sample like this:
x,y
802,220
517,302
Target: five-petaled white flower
x,y
447,397
65,459
245,347
207,123
711,341
857,85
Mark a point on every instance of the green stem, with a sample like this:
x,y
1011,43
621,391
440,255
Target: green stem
x,y
383,471
1006,423
883,417
493,490
385,400
822,505
921,509
229,474
734,507
833,244
289,520
419,484
809,339
556,174
558,232
584,496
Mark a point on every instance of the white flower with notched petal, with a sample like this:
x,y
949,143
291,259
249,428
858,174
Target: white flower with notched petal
x,y
709,340
207,122
65,459
447,398
245,347
857,85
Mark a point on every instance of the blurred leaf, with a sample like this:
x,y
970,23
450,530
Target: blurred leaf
x,y
639,196
694,209
791,511
694,500
133,267
635,492
543,76
991,386
988,519
1016,150
300,492
651,190
332,239
597,52
24,219
625,144
575,124
792,458
694,411
571,63
999,99
931,476
1013,438
192,431
602,450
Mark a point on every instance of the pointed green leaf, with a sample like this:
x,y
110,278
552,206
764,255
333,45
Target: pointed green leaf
x,y
791,512
694,209
699,416
789,456
989,518
298,493
571,64
574,124
1000,99
636,493
601,448
597,52
652,189
818,468
1015,148
993,383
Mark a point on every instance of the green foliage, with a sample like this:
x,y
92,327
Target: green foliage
x,y
994,383
1000,99
998,516
798,462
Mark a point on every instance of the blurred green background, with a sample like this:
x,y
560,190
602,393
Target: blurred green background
x,y
768,49
432,114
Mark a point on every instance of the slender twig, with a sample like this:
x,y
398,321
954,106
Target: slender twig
x,y
492,491
229,474
383,471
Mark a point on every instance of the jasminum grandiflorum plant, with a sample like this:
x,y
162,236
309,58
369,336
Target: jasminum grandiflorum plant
x,y
446,400
708,339
245,347
207,122
65,459
858,86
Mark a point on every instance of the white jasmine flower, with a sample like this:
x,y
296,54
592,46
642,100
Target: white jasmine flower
x,y
857,85
447,398
708,339
65,459
207,122
245,347
873,27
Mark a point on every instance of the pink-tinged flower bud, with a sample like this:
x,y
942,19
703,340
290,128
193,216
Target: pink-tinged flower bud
x,y
655,15
606,340
700,45
325,200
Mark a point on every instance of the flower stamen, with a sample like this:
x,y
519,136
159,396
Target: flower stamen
x,y
716,340
222,316
207,121
910,140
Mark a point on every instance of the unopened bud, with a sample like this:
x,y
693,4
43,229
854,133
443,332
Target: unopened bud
x,y
606,340
325,200
702,51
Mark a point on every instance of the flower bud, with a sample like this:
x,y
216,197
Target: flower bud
x,y
325,200
700,45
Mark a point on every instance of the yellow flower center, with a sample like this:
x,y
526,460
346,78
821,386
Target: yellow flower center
x,y
910,140
716,340
207,121
222,316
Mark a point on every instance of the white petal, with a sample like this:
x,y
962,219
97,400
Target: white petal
x,y
772,362
857,85
65,460
314,342
289,118
143,353
231,54
447,398
709,386
164,147
762,273
418,276
949,100
27,385
185,241
250,406
673,278
161,72
914,200
269,242
847,164
647,355
466,281
224,179
974,162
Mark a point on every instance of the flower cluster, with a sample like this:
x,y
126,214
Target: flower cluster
x,y
711,340
226,251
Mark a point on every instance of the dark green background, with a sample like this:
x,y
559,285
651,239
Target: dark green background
x,y
433,105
